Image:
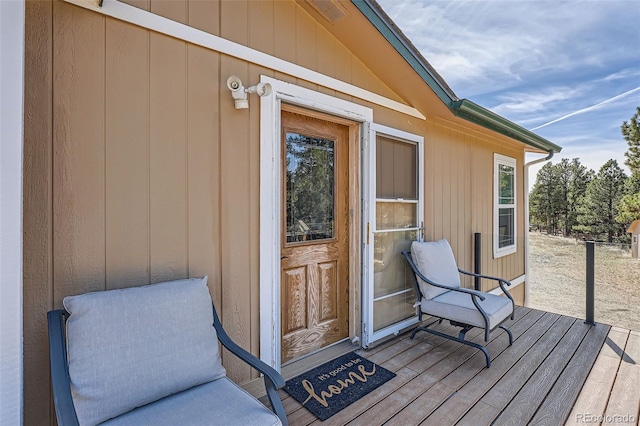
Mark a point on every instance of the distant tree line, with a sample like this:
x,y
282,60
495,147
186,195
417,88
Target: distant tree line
x,y
569,199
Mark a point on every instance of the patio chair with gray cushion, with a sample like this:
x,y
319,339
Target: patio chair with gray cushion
x,y
437,282
149,355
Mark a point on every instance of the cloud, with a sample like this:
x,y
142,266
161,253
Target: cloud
x,y
482,46
589,108
531,102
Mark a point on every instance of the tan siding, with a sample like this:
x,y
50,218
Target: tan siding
x,y
284,16
306,41
518,294
167,162
205,15
37,205
176,10
78,138
261,29
142,4
235,233
127,155
203,171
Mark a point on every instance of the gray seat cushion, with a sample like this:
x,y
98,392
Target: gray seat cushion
x,y
220,402
435,260
130,347
457,306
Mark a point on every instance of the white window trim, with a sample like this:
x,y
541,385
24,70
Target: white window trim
x,y
499,159
369,213
270,195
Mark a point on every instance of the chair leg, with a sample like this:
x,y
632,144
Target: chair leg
x,y
456,339
509,333
424,328
463,332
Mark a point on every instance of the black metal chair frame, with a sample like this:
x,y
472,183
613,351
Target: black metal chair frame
x,y
476,297
61,384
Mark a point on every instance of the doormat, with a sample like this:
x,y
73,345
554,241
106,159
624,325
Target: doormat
x,y
335,385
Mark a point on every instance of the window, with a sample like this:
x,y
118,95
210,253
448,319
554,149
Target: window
x,y
504,201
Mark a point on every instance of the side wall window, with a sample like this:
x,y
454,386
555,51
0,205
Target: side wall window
x,y
504,202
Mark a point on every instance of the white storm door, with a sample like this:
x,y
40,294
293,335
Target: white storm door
x,y
394,210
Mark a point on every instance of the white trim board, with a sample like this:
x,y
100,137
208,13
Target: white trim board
x,y
12,19
514,283
153,22
270,194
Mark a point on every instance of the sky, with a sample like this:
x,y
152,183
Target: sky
x,y
567,70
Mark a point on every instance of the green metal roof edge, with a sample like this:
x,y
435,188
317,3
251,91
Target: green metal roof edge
x,y
473,112
382,24
462,108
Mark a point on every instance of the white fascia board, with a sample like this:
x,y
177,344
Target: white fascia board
x,y
153,22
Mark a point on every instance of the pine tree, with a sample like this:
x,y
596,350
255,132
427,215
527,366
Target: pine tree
x,y
631,134
578,179
603,195
544,199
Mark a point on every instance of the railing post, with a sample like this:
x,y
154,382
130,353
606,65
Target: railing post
x,y
477,258
590,282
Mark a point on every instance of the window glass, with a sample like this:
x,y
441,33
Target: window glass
x,y
506,222
310,188
396,215
506,187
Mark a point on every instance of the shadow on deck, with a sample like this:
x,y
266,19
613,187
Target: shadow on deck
x,y
538,380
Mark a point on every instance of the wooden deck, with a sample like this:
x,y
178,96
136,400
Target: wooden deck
x,y
538,380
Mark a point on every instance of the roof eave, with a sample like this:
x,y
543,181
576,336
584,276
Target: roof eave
x,y
474,113
462,108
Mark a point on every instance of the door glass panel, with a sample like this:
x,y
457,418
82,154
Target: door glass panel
x,y
310,194
391,215
391,310
390,270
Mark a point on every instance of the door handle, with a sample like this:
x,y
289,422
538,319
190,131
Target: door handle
x,y
284,257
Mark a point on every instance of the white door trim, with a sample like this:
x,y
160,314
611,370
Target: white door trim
x,y
270,196
12,22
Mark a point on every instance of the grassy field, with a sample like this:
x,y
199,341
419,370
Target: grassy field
x,y
557,275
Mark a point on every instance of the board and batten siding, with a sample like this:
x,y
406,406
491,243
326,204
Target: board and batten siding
x,y
459,197
138,169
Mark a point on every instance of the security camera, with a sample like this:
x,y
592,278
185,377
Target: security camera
x,y
234,83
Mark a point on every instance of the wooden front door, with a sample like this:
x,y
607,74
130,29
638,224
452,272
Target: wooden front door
x,y
315,234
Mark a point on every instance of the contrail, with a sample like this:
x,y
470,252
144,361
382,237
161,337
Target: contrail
x,y
583,110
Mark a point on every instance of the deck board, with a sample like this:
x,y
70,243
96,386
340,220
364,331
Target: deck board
x,y
558,367
625,395
525,403
471,391
597,388
557,405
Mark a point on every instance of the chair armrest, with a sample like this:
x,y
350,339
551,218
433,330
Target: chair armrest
x,y
415,270
501,281
272,379
60,382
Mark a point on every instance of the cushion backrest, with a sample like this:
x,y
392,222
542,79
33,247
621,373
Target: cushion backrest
x,y
127,348
436,262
